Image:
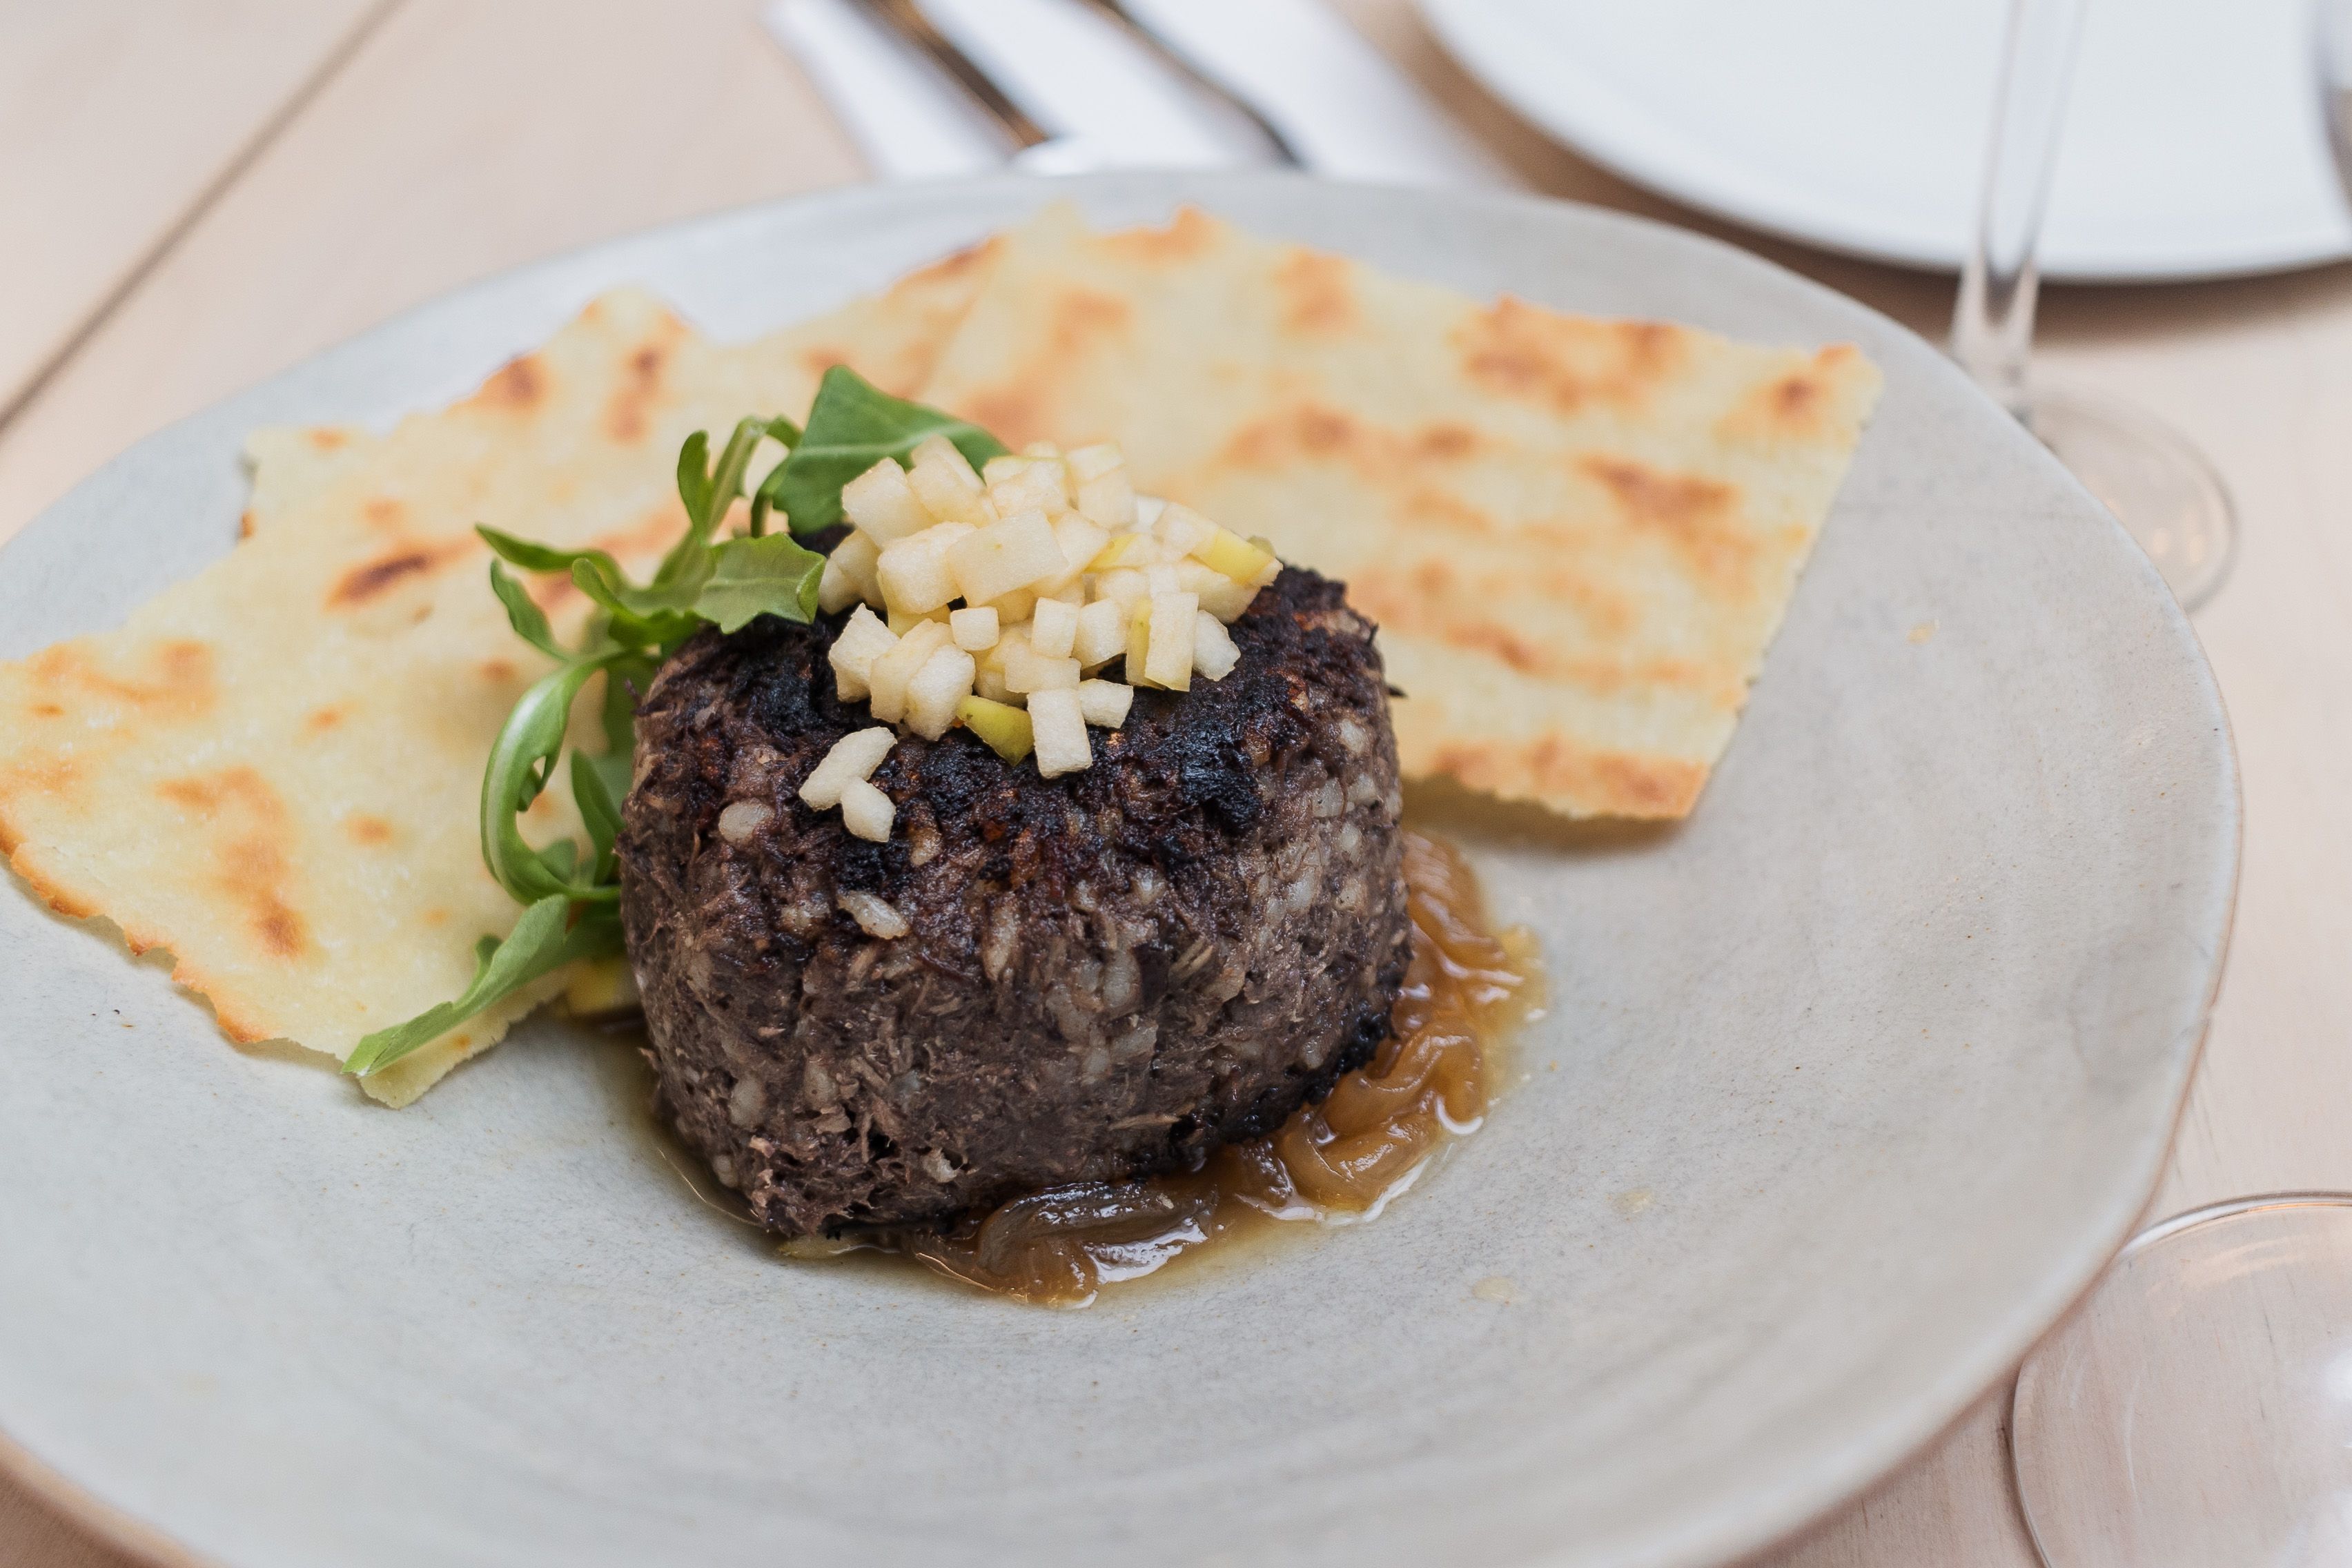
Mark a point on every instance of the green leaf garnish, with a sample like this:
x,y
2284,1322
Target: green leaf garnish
x,y
774,576
571,895
543,939
852,426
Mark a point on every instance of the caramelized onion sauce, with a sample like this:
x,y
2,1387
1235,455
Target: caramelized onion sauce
x,y
1431,1079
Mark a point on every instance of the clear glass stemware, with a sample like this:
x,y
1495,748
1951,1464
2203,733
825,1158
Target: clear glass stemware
x,y
2164,492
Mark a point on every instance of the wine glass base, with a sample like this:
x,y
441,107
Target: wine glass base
x,y
2196,1409
2161,489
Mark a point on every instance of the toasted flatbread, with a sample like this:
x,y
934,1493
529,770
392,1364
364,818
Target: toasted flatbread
x,y
1578,535
271,769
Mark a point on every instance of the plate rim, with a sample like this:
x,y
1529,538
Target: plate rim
x,y
1473,38
1735,1525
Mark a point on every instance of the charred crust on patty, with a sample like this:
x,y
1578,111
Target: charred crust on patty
x,y
1105,974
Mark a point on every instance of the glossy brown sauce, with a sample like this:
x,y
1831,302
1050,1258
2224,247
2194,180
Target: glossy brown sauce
x,y
1431,1080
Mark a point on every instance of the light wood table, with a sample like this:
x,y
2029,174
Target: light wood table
x,y
197,192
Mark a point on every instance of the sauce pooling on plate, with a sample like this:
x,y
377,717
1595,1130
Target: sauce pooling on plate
x,y
1433,1078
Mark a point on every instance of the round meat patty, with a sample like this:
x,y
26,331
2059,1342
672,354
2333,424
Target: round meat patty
x,y
1035,981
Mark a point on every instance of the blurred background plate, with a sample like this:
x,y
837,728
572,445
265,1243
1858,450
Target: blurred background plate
x,y
2194,148
1849,1086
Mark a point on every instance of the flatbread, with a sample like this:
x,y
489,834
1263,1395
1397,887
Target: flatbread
x,y
1578,535
271,769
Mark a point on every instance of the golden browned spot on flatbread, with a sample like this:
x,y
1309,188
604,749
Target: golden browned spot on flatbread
x,y
1445,441
820,359
1428,507
435,917
517,385
180,687
51,777
245,524
248,828
46,711
624,415
321,719
1568,362
498,671
383,511
326,438
1431,600
1698,516
1642,786
1021,408
947,269
1315,292
1191,233
370,579
366,829
1802,405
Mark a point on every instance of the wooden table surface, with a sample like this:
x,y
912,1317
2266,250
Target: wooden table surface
x,y
197,192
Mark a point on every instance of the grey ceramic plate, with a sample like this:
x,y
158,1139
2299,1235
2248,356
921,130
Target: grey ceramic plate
x,y
1861,1075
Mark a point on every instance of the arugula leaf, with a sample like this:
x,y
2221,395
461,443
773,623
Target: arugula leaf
x,y
640,617
532,557
707,493
772,576
528,621
598,784
522,759
851,426
540,941
763,499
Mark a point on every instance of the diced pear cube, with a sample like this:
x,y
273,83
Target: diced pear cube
x,y
863,640
1184,530
1125,550
1012,609
1005,727
893,670
1093,462
1162,579
1101,635
974,630
1273,567
1027,671
914,571
1234,556
853,757
1219,594
1168,656
1058,727
943,480
1042,450
934,695
1003,557
1109,500
1104,702
1053,628
1000,468
881,502
1138,641
1081,541
849,576
1146,511
901,622
1123,586
1214,653
866,811
1035,486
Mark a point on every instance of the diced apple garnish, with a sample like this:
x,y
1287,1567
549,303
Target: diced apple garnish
x,y
1058,727
1026,670
1098,478
943,480
882,504
1273,567
1093,462
852,760
867,813
1229,553
849,574
1123,586
1101,635
1182,529
1005,727
1053,628
974,630
1214,653
863,640
901,622
1168,656
1081,541
932,695
1124,551
914,571
1013,554
1162,579
1017,484
1219,594
1138,641
1104,702
891,672
1012,609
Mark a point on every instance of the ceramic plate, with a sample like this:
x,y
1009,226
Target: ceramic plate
x,y
1849,1086
2193,146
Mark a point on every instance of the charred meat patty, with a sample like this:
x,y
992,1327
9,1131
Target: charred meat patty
x,y
1034,982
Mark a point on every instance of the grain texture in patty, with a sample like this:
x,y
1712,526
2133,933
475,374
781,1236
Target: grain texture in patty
x,y
1103,974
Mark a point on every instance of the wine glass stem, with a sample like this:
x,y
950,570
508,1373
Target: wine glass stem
x,y
1992,325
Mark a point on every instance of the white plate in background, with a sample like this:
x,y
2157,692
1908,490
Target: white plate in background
x,y
2194,146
